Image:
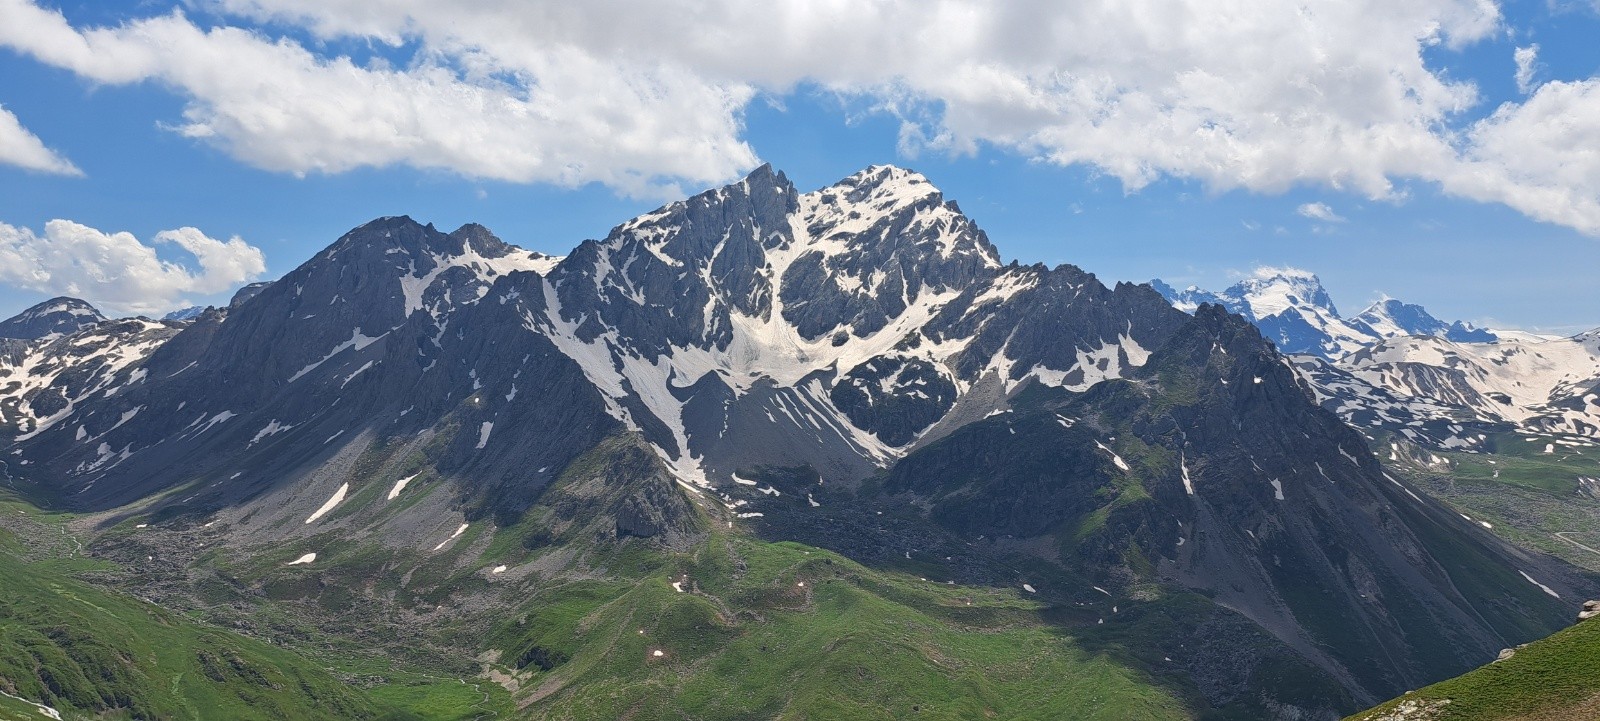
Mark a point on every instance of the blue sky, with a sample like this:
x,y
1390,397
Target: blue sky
x,y
1143,148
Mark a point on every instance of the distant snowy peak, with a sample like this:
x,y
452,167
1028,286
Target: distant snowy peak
x,y
1191,298
51,319
1546,386
189,313
1269,292
1391,318
1291,307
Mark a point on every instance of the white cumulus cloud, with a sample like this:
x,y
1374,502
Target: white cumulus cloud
x,y
118,272
1527,60
558,114
1319,211
649,95
25,150
1538,156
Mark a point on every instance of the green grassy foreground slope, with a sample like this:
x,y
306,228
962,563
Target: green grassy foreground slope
x,y
1552,679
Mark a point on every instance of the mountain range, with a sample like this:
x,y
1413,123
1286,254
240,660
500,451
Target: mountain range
x,y
427,432
1396,368
1291,308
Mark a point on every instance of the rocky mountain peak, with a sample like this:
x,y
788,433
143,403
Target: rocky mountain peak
x,y
1390,318
1271,291
886,183
52,318
905,198
247,292
476,238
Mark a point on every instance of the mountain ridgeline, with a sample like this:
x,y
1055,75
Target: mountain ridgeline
x,y
853,368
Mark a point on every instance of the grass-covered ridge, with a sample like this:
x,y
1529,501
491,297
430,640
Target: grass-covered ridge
x,y
1552,679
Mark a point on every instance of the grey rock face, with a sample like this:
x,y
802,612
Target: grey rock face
x,y
247,292
1213,463
896,397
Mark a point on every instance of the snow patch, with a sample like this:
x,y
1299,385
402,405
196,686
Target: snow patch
x,y
459,531
1116,459
44,710
1541,586
357,341
271,429
331,502
222,417
400,485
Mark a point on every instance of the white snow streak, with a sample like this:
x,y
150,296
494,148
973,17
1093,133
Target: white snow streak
x,y
1541,586
328,506
459,531
400,485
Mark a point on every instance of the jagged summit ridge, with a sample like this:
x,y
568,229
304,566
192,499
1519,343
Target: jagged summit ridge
x,y
756,289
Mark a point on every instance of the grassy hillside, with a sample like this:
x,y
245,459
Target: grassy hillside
x,y
1532,498
581,625
578,623
93,652
781,630
90,652
1552,679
